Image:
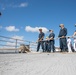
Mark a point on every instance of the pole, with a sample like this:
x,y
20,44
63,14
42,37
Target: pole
x,y
29,45
16,45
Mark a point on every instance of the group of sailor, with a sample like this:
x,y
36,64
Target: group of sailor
x,y
64,41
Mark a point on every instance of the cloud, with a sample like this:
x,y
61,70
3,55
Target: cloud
x,y
13,5
11,28
23,5
20,5
3,8
35,29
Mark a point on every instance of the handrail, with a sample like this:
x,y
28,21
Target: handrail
x,y
7,42
7,45
15,39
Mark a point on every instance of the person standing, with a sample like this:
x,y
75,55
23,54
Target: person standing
x,y
69,44
46,44
62,36
75,44
74,36
51,41
40,40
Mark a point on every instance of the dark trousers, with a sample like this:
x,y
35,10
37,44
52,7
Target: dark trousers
x,y
51,46
46,47
63,44
42,45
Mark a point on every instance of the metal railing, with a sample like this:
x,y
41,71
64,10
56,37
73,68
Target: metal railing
x,y
7,43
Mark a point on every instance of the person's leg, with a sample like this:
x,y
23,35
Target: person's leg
x,y
45,46
64,41
42,45
61,45
38,46
74,46
49,46
52,46
69,48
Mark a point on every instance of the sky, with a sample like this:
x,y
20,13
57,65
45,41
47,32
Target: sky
x,y
22,18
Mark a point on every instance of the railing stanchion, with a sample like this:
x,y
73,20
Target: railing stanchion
x,y
16,46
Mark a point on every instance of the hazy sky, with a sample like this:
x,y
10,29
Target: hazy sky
x,y
23,18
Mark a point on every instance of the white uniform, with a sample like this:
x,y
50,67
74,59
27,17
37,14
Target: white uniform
x,y
74,36
75,44
69,45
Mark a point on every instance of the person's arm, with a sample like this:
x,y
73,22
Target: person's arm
x,y
74,34
59,33
65,32
42,37
52,38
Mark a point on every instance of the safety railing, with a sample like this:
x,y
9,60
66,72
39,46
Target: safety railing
x,y
7,43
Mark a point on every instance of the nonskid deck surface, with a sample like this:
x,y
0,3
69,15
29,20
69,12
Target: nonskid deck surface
x,y
38,64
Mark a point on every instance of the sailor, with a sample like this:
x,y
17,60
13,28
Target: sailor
x,y
69,44
46,44
51,41
62,36
74,36
40,40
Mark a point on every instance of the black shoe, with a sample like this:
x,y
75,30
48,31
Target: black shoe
x,y
37,51
53,51
43,51
61,51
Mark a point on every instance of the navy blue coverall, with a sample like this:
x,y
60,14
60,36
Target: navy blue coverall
x,y
63,41
40,42
51,42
